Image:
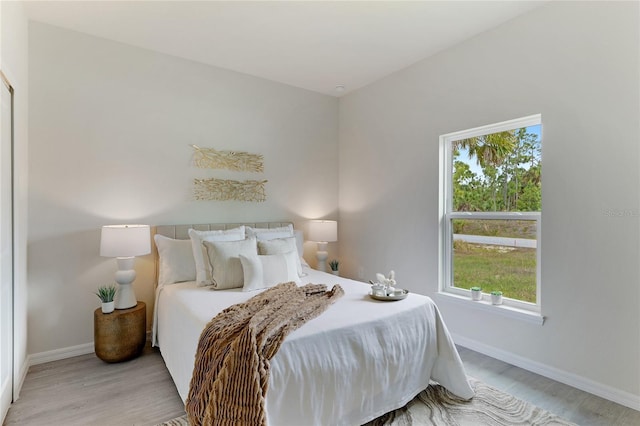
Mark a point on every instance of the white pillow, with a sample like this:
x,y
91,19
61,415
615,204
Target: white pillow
x,y
269,270
300,243
281,246
225,261
176,260
270,233
203,268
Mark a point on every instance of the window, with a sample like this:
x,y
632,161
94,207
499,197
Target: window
x,y
490,206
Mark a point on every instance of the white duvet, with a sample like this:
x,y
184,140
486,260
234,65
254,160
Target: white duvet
x,y
358,360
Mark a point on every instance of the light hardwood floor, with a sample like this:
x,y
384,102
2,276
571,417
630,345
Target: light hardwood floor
x,y
565,401
86,391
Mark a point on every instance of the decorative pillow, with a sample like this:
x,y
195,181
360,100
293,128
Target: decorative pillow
x,y
281,246
203,268
176,260
225,261
300,243
269,270
270,233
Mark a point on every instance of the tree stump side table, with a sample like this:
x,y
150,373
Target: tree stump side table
x,y
120,335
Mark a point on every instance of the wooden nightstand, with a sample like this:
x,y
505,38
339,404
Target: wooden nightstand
x,y
120,335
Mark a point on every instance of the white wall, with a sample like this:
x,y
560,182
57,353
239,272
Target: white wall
x,y
575,63
14,64
110,129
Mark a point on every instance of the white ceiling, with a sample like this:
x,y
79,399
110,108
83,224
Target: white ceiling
x,y
315,45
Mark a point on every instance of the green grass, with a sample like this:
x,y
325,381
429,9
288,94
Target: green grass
x,y
510,270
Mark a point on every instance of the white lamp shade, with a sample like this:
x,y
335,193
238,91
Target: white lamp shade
x,y
323,231
125,240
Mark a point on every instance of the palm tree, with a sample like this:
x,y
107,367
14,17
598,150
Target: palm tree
x,y
490,152
489,149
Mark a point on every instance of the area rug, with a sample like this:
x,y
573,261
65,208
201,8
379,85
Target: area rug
x,y
438,407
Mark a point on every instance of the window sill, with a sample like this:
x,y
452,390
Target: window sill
x,y
485,306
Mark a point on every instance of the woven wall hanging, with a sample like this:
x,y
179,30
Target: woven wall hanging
x,y
239,161
227,190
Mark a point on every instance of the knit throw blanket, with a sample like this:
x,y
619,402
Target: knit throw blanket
x,y
231,372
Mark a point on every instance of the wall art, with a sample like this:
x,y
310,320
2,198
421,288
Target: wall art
x,y
239,161
228,190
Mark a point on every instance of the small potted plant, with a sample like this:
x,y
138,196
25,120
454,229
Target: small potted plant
x,y
476,293
496,297
334,265
106,293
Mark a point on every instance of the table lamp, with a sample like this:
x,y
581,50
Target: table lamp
x,y
323,232
125,242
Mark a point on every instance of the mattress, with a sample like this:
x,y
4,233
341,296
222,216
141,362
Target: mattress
x,y
358,360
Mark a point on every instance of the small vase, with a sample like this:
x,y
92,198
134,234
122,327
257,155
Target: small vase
x,y
335,272
496,299
107,307
476,294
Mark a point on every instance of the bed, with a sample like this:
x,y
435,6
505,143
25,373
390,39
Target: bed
x,y
358,360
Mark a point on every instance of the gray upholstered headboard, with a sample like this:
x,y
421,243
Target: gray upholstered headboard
x,y
181,232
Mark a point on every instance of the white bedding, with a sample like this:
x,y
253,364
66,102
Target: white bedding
x,y
358,360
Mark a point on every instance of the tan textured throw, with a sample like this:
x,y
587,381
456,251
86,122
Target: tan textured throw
x,y
231,372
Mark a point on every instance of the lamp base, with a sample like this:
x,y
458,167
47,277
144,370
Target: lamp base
x,y
322,256
125,296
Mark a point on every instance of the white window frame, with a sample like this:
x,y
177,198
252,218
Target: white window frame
x,y
446,215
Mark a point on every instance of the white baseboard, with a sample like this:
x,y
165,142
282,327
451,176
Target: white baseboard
x,y
58,354
5,399
604,391
19,379
48,356
64,353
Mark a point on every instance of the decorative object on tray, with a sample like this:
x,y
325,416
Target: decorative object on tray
x,y
378,289
397,294
106,293
496,297
335,267
388,282
229,190
476,293
239,161
385,288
